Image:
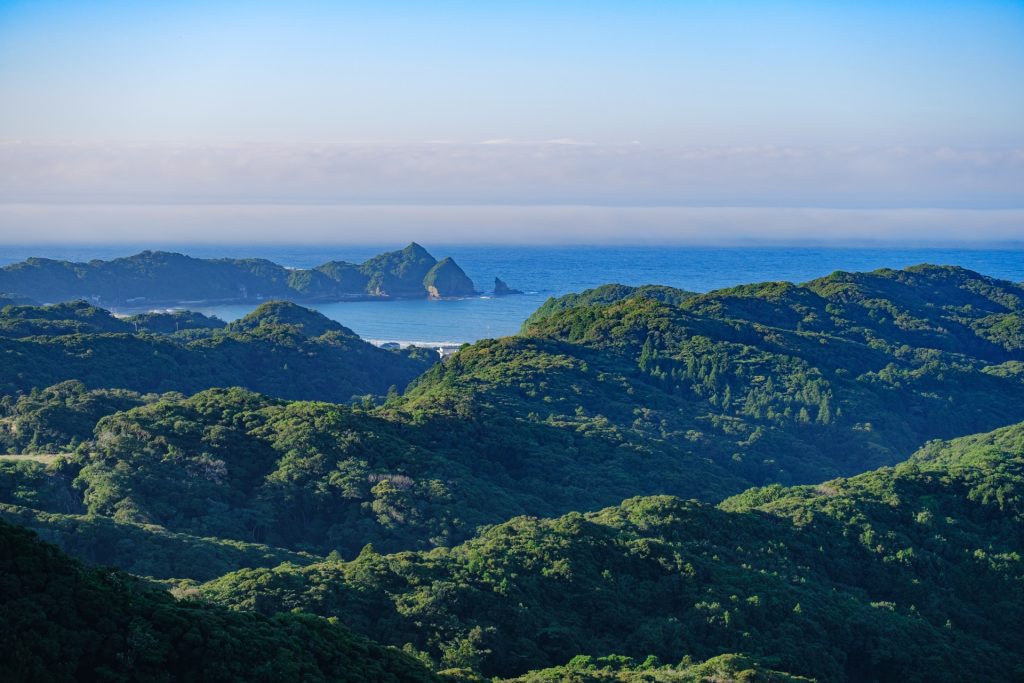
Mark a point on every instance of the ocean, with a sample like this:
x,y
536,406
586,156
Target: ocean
x,y
542,272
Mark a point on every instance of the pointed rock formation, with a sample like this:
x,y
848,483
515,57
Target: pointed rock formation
x,y
502,289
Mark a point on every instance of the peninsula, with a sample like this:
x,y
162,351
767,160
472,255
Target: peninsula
x,y
167,278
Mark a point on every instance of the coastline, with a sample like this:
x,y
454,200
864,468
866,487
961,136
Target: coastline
x,y
420,343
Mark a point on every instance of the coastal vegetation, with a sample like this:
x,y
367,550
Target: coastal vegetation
x,y
645,484
157,277
607,395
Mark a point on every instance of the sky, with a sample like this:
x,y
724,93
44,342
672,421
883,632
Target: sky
x,y
524,121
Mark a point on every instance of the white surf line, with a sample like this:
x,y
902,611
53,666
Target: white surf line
x,y
405,343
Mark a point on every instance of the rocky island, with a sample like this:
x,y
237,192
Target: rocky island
x,y
502,289
167,278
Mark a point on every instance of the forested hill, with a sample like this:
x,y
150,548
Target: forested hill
x,y
317,477
474,515
280,349
770,382
156,277
946,308
729,668
911,573
61,621
607,294
81,317
596,403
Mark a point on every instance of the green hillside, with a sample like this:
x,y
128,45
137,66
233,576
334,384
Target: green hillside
x,y
280,349
908,573
597,402
619,669
145,549
625,491
768,382
61,621
59,417
322,477
73,317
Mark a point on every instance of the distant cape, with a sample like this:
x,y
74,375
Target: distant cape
x,y
153,278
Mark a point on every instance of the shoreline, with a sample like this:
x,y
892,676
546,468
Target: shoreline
x,y
421,343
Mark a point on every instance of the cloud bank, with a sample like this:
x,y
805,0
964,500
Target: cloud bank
x,y
506,191
169,224
505,172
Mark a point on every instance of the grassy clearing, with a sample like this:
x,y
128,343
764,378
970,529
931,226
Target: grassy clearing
x,y
45,458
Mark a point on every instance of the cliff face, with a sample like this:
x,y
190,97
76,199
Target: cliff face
x,y
446,278
166,278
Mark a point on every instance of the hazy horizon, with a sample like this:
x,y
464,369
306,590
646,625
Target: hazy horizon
x,y
150,226
703,123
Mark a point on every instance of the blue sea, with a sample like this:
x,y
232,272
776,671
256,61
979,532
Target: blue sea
x,y
542,272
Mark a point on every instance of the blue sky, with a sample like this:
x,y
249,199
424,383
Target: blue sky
x,y
719,73
796,104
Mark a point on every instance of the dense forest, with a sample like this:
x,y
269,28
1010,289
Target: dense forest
x,y
61,621
157,277
673,486
905,573
280,349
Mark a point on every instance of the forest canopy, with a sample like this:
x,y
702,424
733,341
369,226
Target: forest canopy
x,y
770,482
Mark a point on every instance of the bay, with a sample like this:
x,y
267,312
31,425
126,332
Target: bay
x,y
542,272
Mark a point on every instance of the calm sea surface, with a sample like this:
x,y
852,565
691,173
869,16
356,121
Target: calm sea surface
x,y
542,272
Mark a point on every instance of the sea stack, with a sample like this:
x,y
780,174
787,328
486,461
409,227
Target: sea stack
x,y
502,289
